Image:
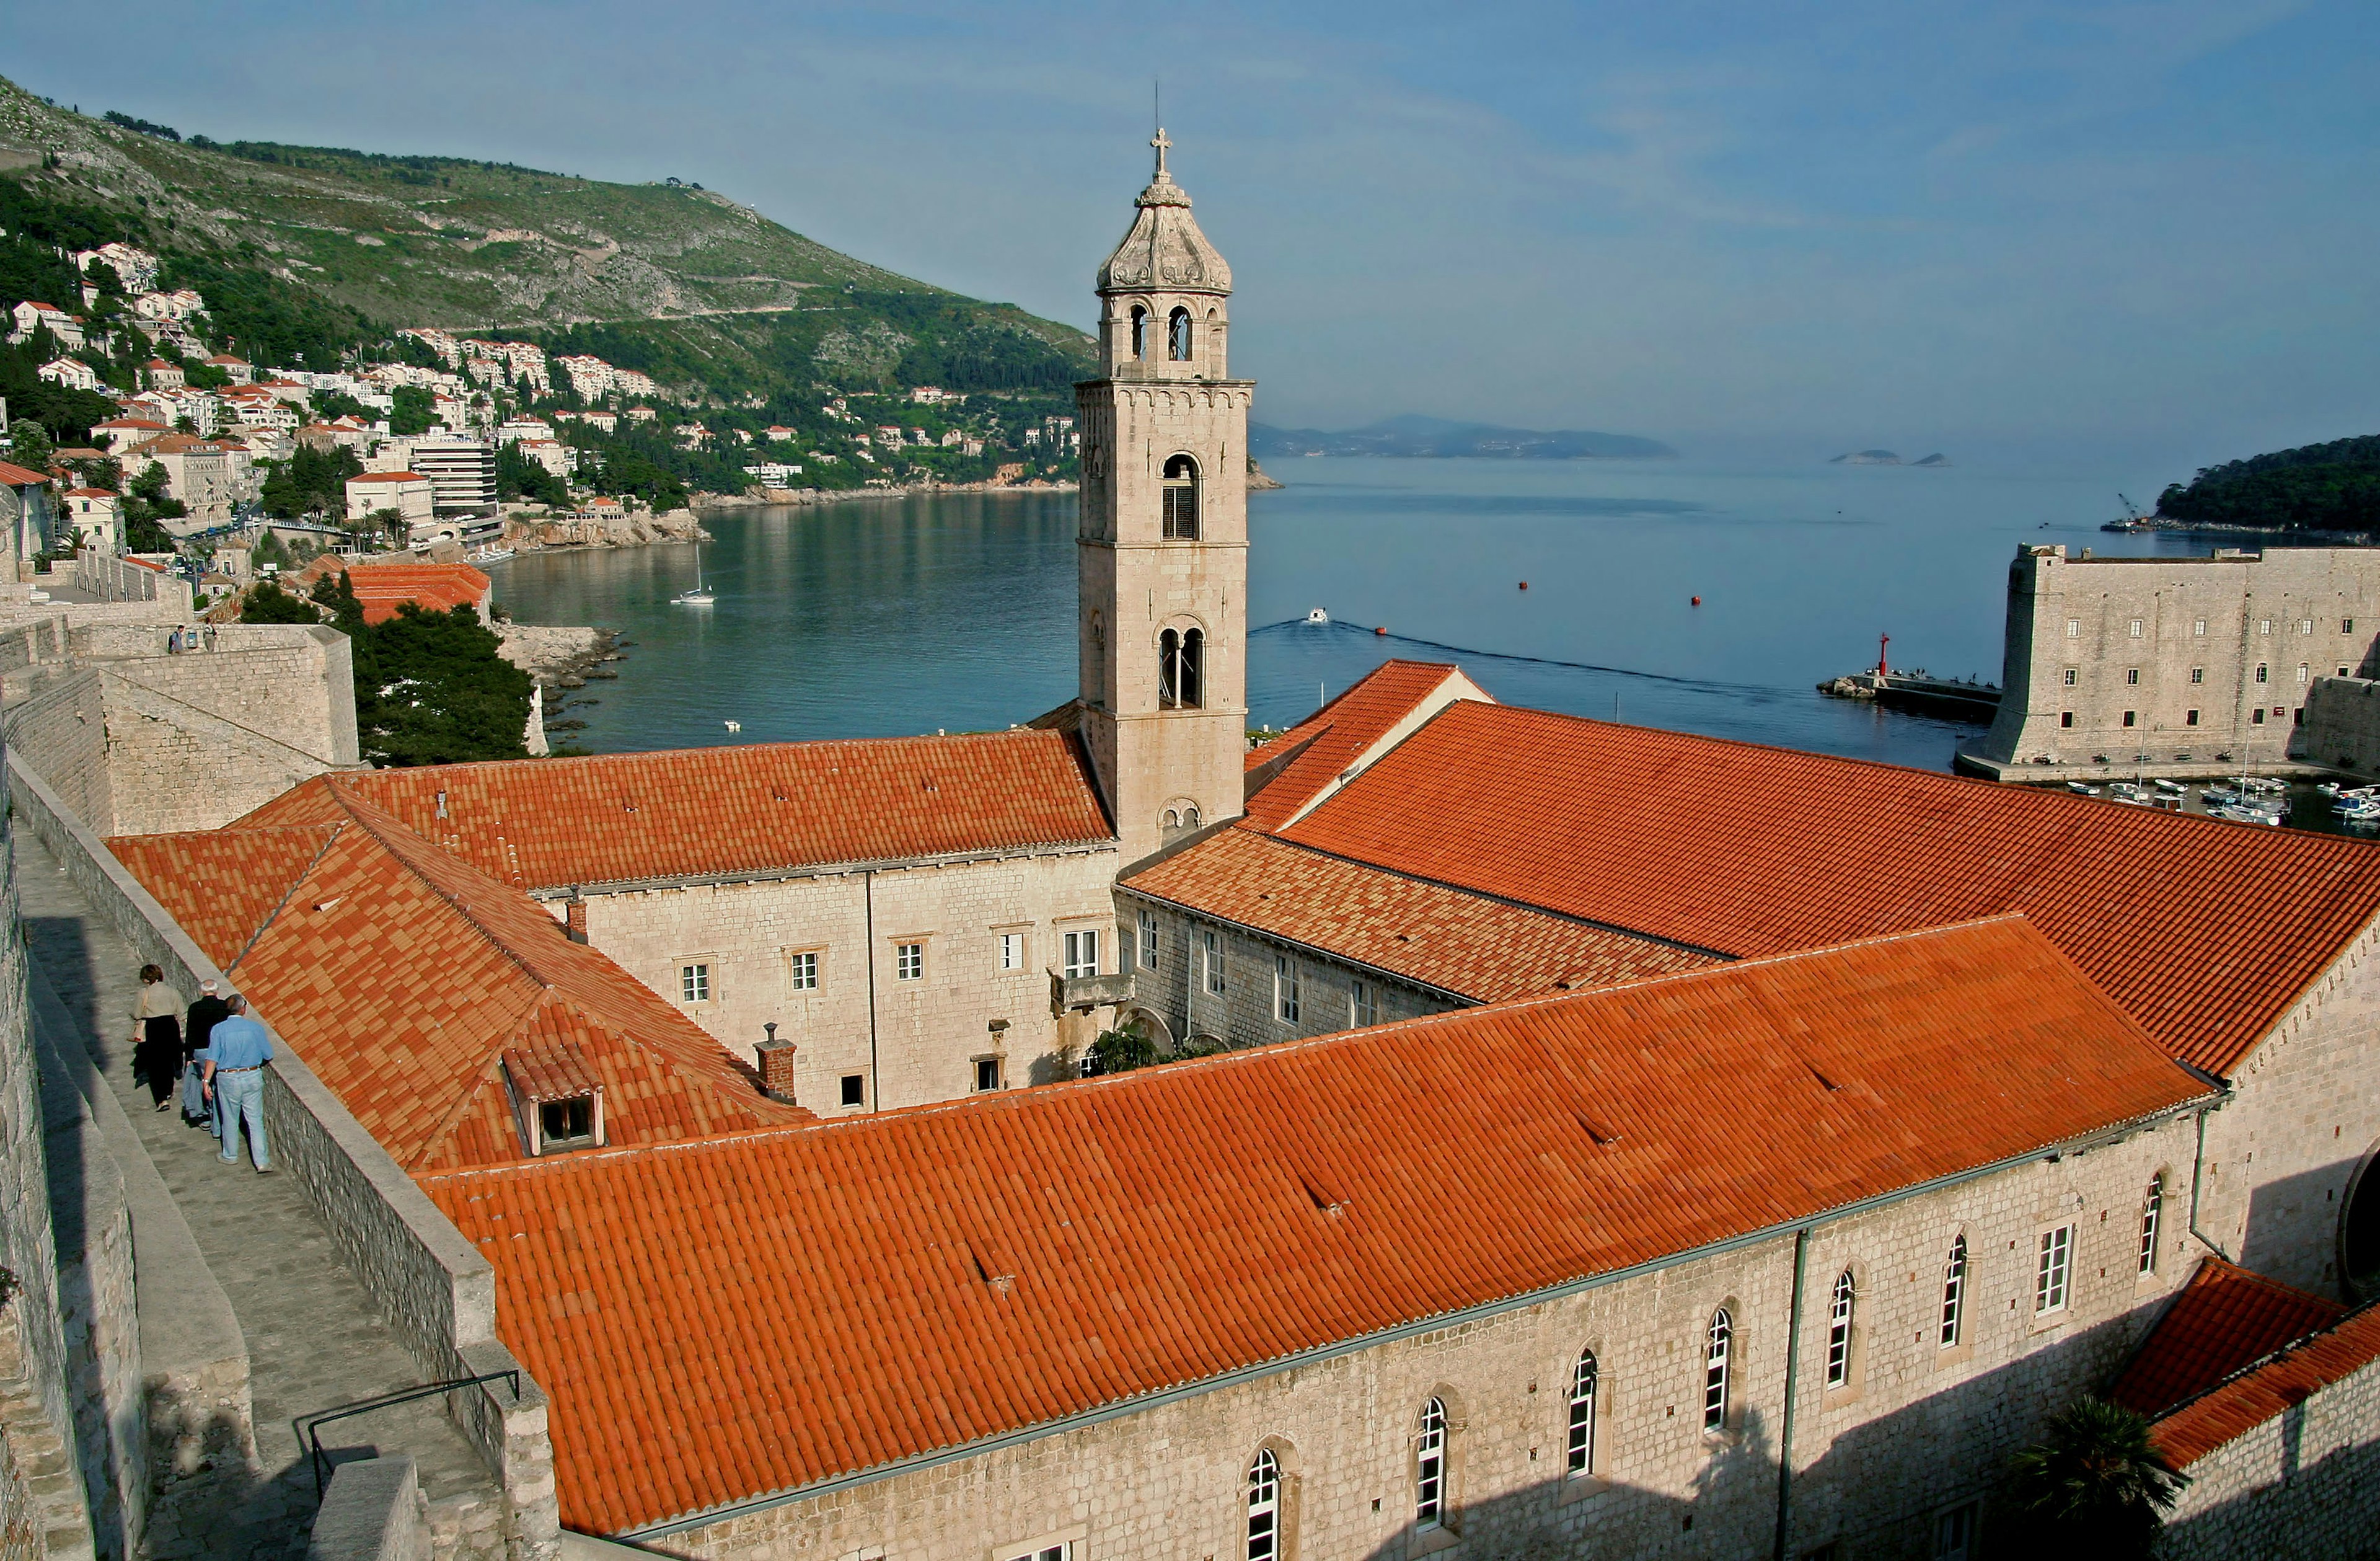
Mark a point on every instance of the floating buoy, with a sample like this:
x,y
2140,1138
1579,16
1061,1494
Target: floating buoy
x,y
1525,585
1698,601
1382,630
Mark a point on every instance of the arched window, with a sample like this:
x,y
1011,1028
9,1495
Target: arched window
x,y
2151,1208
1264,1507
1581,1416
1429,1498
1181,669
1189,818
1173,819
1177,335
1716,1350
1954,1290
1180,490
1139,332
1838,1332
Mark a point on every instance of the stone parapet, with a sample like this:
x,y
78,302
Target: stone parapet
x,y
2300,1483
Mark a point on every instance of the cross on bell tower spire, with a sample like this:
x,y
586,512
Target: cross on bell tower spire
x,y
1161,142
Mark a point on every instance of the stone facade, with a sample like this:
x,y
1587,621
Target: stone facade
x,y
908,1040
2298,1484
2177,665
2342,726
1916,1431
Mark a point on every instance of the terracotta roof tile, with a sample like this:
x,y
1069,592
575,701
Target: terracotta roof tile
x,y
953,1272
2208,932
2223,1319
690,812
2271,1387
403,977
1318,748
1479,948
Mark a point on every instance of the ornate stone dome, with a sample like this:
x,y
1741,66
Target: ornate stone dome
x,y
1164,251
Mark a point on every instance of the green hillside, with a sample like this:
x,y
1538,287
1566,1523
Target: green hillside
x,y
2332,487
678,281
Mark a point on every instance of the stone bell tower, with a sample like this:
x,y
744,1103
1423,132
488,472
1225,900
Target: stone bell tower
x,y
1163,545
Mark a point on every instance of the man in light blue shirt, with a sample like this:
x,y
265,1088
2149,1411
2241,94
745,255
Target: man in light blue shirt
x,y
235,1081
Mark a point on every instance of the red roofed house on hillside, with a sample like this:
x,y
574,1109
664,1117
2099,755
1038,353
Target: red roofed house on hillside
x,y
1551,1162
383,588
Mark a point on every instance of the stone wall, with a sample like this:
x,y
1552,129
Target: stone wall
x,y
2281,1158
438,1293
114,579
2234,639
911,1042
2342,726
55,715
2298,1484
1916,1430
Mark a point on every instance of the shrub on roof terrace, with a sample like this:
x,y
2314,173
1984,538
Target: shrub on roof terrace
x,y
2094,1485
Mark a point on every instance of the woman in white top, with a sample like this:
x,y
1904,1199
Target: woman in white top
x,y
157,1034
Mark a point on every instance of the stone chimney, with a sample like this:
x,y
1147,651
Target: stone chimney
x,y
777,1066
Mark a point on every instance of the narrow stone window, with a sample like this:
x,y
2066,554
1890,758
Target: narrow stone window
x,y
2136,628
2072,677
2198,675
1363,1004
2066,718
1429,1496
2347,625
2264,626
1189,818
2256,717
2263,673
1177,335
1284,989
2152,1208
1838,1332
2074,628
2302,672
1168,667
909,962
1954,1532
1954,1291
801,971
1148,940
855,1089
2133,677
2190,718
2305,626
987,1074
1139,332
694,983
2130,716
1264,1507
2198,628
1717,1345
1210,955
1181,496
1581,1458
1012,951
1180,671
2053,1269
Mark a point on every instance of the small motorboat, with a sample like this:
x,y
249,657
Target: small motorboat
x,y
2081,789
1316,615
2169,788
2125,791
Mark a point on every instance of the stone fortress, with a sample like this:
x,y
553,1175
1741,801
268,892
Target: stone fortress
x,y
1546,1165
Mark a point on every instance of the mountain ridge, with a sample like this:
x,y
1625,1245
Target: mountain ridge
x,y
1415,436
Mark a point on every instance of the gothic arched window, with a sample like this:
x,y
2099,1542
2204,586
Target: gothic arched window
x,y
1838,1332
1717,1346
1954,1291
2151,1211
1177,335
1264,1507
1139,332
1180,489
1429,1467
1581,1416
1181,669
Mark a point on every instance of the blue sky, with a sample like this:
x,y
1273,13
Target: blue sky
x,y
2044,232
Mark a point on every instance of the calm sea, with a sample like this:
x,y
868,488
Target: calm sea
x,y
956,613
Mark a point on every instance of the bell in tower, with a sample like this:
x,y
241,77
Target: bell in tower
x,y
1164,535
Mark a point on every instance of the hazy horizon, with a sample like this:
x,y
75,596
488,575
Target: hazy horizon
x,y
2117,234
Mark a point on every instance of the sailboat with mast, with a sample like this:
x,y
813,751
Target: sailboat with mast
x,y
698,595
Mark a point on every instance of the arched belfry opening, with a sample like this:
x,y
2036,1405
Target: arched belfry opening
x,y
1139,332
1181,669
1180,499
1177,335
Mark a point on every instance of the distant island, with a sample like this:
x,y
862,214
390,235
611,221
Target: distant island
x,y
2332,487
1414,435
1885,457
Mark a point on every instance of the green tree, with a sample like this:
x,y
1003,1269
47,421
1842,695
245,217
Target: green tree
x,y
267,603
518,476
414,410
29,444
311,481
1126,1047
446,694
267,553
2094,1486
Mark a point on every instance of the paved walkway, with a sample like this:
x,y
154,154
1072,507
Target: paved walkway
x,y
314,1339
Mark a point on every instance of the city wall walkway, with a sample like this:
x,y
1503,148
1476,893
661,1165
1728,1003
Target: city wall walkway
x,y
314,1339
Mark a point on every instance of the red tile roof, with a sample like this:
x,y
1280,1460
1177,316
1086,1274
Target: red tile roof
x,y
1479,948
722,1320
382,589
2208,932
2274,1388
403,977
2223,1319
18,477
1323,745
733,812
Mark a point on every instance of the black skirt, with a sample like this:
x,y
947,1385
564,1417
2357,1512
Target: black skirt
x,y
159,1056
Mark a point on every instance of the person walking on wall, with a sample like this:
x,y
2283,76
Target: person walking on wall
x,y
157,1034
205,1013
235,1081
